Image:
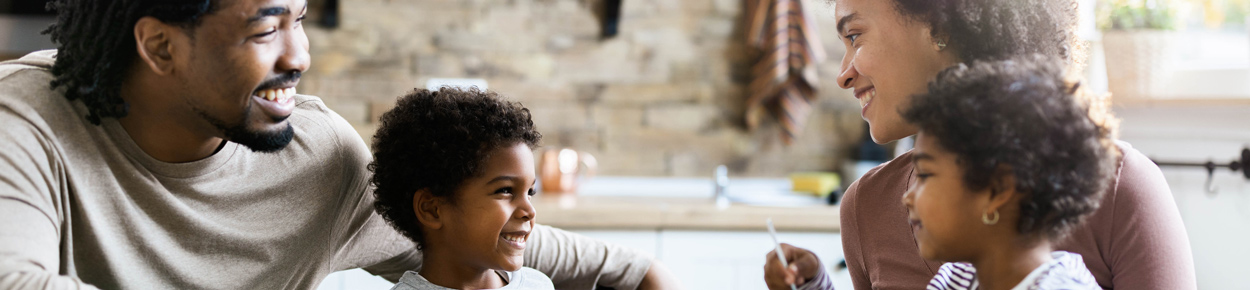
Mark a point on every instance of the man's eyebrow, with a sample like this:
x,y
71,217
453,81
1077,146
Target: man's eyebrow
x,y
266,12
842,22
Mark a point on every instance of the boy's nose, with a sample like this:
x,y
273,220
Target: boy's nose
x,y
525,211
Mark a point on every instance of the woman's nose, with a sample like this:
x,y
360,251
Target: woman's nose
x,y
846,78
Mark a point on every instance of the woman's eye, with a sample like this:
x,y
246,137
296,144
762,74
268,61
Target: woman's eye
x,y
852,38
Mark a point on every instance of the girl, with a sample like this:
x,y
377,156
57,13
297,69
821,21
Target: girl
x,y
1007,161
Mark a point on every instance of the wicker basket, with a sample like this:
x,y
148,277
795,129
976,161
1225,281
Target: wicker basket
x,y
1139,62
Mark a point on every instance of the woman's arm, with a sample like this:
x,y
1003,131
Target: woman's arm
x,y
1149,246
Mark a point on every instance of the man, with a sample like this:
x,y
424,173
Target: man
x,y
162,146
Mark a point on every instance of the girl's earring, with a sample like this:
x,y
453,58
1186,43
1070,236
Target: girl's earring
x,y
985,218
941,45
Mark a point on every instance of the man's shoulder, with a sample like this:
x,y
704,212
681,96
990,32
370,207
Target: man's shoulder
x,y
314,118
26,94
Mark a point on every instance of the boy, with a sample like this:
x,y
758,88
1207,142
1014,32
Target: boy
x,y
454,172
1009,158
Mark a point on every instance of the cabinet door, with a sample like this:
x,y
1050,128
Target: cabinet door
x,y
735,260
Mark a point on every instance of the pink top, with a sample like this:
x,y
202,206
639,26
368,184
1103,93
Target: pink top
x,y
1135,240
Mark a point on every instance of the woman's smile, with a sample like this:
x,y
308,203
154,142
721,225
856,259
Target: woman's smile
x,y
865,97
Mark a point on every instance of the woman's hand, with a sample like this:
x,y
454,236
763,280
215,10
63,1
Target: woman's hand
x,y
803,267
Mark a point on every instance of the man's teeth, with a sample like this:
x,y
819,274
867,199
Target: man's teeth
x,y
277,95
514,238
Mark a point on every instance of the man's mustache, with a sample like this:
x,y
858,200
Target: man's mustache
x,y
283,80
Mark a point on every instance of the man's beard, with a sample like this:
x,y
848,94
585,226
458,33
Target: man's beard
x,y
257,141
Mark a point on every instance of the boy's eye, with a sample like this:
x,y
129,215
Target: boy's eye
x,y
532,192
923,176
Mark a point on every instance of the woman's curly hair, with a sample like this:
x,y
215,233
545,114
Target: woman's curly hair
x,y
436,140
96,45
1001,29
1021,113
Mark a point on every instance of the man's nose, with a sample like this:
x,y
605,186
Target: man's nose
x,y
295,57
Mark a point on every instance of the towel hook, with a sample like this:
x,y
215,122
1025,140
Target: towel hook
x,y
1210,186
1241,164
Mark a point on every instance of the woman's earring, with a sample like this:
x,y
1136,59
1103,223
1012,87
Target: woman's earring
x,y
941,44
985,218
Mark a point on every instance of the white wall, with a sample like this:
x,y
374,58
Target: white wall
x,y
1218,224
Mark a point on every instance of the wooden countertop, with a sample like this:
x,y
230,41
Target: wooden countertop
x,y
665,213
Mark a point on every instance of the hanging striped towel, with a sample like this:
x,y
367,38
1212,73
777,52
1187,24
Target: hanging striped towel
x,y
785,77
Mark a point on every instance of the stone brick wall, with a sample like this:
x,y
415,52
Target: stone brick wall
x,y
662,98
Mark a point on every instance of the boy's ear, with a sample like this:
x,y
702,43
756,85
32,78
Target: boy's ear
x,y
428,208
1003,187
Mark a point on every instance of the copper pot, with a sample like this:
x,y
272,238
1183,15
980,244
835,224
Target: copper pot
x,y
560,169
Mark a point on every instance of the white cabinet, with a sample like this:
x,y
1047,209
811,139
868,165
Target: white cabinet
x,y
735,260
724,259
699,259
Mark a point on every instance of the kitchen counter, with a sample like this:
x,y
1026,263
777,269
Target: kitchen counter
x,y
598,212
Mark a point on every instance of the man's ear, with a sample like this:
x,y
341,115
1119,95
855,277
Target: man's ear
x,y
154,41
428,208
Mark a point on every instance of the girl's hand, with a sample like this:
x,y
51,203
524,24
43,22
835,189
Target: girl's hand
x,y
803,267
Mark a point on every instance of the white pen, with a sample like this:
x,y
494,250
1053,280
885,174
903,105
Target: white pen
x,y
780,255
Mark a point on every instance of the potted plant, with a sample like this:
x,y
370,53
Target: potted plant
x,y
1139,41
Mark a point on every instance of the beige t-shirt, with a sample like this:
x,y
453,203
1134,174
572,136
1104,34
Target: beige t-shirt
x,y
83,206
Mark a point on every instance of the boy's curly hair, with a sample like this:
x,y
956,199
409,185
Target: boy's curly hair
x,y
436,140
984,30
1023,114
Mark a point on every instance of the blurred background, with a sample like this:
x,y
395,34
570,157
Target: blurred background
x,y
656,92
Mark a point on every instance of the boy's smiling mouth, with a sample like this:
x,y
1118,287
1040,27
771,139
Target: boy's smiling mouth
x,y
515,239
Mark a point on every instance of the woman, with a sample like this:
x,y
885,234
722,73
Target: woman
x,y
894,48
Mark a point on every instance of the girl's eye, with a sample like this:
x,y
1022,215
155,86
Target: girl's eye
x,y
923,176
532,192
505,190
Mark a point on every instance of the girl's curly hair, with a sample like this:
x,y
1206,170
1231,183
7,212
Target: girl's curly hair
x,y
1023,114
